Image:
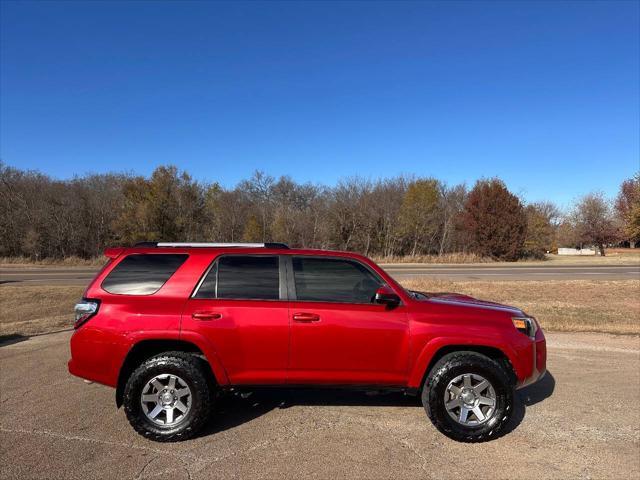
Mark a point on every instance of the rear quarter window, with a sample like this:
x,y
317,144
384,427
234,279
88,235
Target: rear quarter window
x,y
142,274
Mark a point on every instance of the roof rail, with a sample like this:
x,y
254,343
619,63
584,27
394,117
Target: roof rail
x,y
211,245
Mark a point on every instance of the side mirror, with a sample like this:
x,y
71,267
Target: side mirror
x,y
386,296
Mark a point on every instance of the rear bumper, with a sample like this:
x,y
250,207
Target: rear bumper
x,y
539,361
95,358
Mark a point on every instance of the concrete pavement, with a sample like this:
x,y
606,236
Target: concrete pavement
x,y
581,421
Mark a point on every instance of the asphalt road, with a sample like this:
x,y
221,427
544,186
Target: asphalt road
x,y
81,276
516,272
581,421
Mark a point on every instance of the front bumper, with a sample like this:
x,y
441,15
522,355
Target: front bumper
x,y
539,347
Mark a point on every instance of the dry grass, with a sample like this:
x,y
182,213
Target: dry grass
x,y
459,257
571,305
623,251
551,259
614,256
61,262
29,310
561,305
611,258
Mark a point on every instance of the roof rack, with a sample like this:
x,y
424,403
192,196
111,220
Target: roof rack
x,y
211,245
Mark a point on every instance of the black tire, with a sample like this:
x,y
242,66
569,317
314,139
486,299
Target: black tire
x,y
191,369
459,363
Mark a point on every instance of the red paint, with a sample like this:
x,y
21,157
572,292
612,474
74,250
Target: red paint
x,y
294,342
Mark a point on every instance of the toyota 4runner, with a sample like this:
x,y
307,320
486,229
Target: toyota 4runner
x,y
172,325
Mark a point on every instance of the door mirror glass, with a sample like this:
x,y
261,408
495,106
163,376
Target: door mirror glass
x,y
386,296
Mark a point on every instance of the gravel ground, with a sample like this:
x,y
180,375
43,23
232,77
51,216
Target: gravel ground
x,y
581,421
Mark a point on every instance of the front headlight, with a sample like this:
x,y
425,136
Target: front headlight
x,y
526,325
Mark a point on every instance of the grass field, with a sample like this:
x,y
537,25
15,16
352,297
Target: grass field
x,y
58,262
561,305
570,305
620,256
32,310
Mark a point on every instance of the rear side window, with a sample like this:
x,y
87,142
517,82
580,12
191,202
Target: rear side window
x,y
142,274
333,280
243,278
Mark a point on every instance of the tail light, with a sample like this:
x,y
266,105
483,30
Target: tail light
x,y
84,310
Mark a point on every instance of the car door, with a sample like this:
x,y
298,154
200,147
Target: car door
x,y
241,308
338,335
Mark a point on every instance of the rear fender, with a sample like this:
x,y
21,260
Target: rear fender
x,y
195,341
209,351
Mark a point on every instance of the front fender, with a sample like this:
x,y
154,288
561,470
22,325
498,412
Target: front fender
x,y
428,352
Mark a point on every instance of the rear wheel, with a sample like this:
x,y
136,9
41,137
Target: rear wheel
x,y
169,397
468,397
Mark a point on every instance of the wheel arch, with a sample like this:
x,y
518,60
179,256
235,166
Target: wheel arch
x,y
434,351
147,348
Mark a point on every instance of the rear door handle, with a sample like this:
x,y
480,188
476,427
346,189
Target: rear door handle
x,y
206,315
306,317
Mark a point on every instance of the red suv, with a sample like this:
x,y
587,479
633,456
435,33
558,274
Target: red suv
x,y
173,325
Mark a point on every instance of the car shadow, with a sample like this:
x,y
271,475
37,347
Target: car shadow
x,y
11,339
236,408
539,391
528,396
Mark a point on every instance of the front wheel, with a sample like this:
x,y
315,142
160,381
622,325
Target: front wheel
x,y
168,397
468,397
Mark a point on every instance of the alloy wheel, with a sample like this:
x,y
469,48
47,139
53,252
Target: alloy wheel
x,y
166,399
470,399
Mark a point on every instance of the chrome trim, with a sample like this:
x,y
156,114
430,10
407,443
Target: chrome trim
x,y
213,245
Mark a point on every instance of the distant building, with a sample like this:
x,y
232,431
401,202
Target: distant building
x,y
576,251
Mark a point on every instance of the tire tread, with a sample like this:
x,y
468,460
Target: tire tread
x,y
194,368
470,360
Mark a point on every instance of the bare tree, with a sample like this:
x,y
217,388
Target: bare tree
x,y
542,221
451,207
628,208
594,221
258,191
226,213
345,217
44,217
419,215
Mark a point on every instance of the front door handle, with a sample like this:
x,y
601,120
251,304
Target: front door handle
x,y
203,315
306,317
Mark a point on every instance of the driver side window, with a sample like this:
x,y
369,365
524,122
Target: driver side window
x,y
320,279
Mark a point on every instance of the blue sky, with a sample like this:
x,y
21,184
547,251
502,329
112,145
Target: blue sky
x,y
543,94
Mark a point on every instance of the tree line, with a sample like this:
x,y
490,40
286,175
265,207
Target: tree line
x,y
42,217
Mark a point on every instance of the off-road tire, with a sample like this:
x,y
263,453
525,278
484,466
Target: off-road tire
x,y
449,367
193,370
